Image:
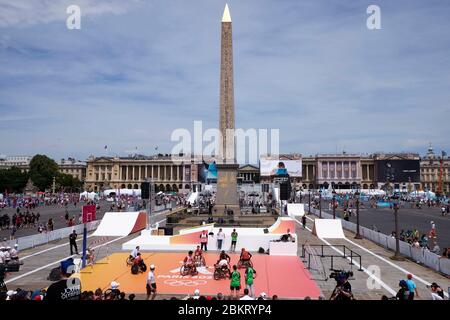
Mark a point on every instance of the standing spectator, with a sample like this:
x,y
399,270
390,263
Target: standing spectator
x,y
204,240
151,283
73,242
50,224
220,239
412,288
304,221
234,236
13,232
403,292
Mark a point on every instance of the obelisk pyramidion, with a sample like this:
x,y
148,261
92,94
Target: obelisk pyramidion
x,y
227,195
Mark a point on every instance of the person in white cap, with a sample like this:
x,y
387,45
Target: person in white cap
x,y
14,253
151,283
10,294
196,294
262,296
115,285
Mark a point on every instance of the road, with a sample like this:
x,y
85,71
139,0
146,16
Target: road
x,y
409,219
56,212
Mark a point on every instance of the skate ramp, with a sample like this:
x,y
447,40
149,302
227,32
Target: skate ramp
x,y
119,224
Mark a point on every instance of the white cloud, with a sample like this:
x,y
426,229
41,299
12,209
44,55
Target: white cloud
x,y
25,13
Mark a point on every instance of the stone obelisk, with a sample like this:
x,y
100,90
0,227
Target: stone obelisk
x,y
227,195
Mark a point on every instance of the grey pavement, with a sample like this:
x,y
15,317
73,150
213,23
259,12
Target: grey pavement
x,y
383,220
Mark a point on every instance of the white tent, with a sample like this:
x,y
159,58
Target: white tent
x,y
89,195
193,197
127,192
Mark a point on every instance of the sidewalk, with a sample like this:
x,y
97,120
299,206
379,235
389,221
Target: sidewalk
x,y
365,287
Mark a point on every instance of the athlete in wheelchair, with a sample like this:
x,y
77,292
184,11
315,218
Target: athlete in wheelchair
x,y
132,256
245,259
222,268
138,265
188,267
199,259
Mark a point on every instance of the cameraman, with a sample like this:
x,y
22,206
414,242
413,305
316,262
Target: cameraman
x,y
343,289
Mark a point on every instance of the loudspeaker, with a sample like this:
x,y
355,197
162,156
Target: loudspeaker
x,y
168,231
266,230
285,191
145,190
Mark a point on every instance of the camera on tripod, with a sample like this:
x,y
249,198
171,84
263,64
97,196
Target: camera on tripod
x,y
341,274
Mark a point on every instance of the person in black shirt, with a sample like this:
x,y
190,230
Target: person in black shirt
x,y
403,292
343,290
66,288
73,242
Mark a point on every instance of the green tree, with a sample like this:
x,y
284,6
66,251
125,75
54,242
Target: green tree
x,y
12,180
68,182
42,171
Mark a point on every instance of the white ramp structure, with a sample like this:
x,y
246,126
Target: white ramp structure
x,y
187,239
328,229
119,224
295,210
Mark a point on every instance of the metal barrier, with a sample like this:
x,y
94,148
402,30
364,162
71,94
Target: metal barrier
x,y
420,255
44,238
347,253
32,241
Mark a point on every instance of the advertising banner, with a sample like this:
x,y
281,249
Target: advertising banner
x,y
270,167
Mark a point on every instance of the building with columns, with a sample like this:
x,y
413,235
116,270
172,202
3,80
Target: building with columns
x,y
129,172
75,168
430,166
338,171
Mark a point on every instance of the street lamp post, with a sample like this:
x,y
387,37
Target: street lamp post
x,y
397,256
334,206
320,204
309,201
358,235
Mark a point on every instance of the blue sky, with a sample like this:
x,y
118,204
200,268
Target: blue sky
x,y
137,70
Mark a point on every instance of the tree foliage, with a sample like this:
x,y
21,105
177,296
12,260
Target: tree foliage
x,y
67,182
12,180
42,171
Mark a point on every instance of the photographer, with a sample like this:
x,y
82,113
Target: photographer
x,y
343,289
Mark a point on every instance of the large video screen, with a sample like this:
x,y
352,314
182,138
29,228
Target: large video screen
x,y
399,170
269,167
207,172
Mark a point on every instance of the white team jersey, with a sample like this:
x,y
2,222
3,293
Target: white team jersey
x,y
151,278
223,263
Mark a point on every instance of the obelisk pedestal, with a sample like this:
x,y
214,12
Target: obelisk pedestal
x,y
227,197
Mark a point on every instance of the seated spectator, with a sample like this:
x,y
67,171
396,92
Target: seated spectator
x,y
446,253
436,292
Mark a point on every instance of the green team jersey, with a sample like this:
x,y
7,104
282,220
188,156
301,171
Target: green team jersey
x,y
234,236
250,276
235,279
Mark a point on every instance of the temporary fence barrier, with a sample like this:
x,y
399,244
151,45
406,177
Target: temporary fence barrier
x,y
420,255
